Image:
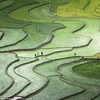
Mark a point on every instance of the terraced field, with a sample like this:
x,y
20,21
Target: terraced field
x,y
49,50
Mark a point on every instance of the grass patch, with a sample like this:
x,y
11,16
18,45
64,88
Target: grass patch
x,y
11,36
90,30
6,81
19,82
35,10
4,12
17,13
7,21
49,68
34,40
6,24
89,93
47,27
54,4
42,13
66,70
90,85
55,90
37,82
64,40
66,37
5,3
90,69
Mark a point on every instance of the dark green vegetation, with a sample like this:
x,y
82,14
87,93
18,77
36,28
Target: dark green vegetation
x,y
48,28
55,3
90,86
90,69
42,53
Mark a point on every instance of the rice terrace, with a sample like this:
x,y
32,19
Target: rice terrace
x,y
49,49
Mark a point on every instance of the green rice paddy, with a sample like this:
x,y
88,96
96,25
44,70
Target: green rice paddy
x,y
49,49
90,69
